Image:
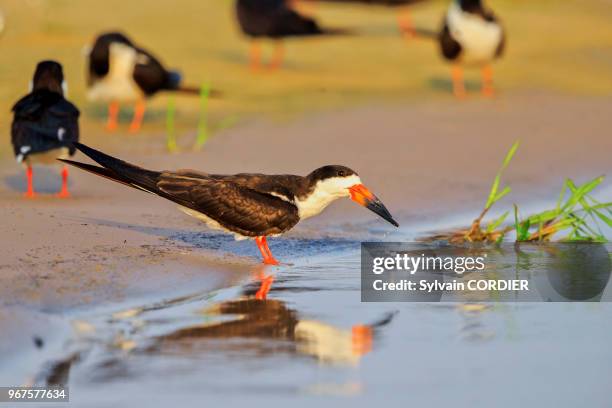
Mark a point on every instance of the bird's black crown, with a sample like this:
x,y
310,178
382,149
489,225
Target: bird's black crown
x,y
330,171
471,6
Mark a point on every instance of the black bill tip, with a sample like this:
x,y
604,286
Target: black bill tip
x,y
376,206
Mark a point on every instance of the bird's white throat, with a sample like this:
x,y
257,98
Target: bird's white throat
x,y
325,192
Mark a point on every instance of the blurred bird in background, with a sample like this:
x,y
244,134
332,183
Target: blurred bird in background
x,y
121,72
276,20
471,35
45,124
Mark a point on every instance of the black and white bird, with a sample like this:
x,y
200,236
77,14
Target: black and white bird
x,y
276,20
121,72
471,36
45,124
247,205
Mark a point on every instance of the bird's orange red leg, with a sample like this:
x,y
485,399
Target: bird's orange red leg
x,y
113,116
254,56
277,58
404,19
139,111
64,191
488,90
458,84
30,175
268,258
304,7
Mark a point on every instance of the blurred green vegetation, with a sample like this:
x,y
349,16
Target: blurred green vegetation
x,y
557,46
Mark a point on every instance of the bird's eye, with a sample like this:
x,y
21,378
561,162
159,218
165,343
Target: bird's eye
x,y
341,173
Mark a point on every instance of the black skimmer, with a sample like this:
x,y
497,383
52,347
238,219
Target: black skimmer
x,y
119,71
274,19
471,35
252,206
404,17
45,124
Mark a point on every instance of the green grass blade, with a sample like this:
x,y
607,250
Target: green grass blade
x,y
510,154
501,195
493,193
603,217
579,192
562,194
496,223
516,222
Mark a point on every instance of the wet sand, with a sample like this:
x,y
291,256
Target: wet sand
x,y
111,245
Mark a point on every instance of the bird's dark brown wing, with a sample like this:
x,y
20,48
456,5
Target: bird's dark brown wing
x,y
149,73
287,23
284,186
273,18
237,208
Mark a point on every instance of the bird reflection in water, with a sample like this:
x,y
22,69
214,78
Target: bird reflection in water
x,y
253,316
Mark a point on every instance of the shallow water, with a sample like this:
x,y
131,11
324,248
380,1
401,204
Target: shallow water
x,y
313,341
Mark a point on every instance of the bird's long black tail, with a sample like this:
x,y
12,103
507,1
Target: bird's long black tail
x,y
194,90
338,31
100,171
117,170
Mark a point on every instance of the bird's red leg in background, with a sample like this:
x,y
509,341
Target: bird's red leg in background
x,y
458,85
404,19
64,191
113,115
30,175
262,244
304,7
254,56
139,111
277,58
487,81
